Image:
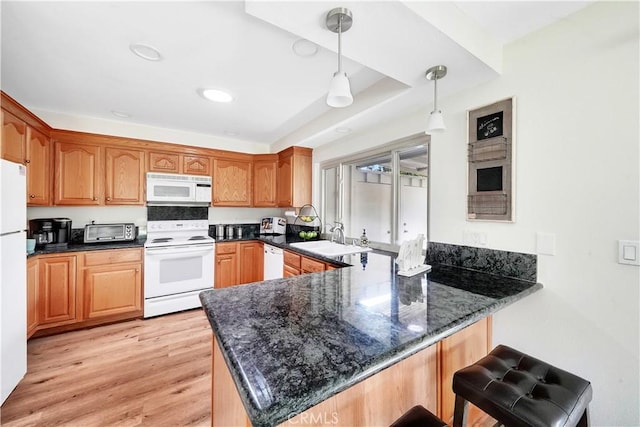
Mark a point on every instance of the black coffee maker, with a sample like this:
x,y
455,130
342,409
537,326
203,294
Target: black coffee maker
x,y
50,231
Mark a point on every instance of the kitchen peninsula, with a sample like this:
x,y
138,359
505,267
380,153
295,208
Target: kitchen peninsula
x,y
352,346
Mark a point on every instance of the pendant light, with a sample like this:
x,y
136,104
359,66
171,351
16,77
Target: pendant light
x,y
338,21
435,123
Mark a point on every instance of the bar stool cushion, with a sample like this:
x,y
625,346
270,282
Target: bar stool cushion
x,y
418,416
519,390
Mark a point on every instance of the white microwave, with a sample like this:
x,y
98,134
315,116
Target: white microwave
x,y
178,190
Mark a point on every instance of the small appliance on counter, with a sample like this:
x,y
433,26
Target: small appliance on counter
x,y
108,233
50,231
273,225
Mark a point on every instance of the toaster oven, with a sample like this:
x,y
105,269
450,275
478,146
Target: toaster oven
x,y
100,233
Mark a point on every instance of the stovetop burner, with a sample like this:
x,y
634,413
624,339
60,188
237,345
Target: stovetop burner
x,y
162,240
198,238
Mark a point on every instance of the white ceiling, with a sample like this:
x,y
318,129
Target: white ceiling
x,y
73,58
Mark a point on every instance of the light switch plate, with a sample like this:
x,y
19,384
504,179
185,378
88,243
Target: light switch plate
x,y
629,252
546,243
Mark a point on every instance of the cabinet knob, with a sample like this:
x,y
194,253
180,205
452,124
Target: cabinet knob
x,y
32,196
108,199
137,270
95,198
27,161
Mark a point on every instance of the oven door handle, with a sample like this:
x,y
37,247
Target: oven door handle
x,y
179,250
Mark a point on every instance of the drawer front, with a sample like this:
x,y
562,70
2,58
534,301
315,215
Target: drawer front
x,y
290,271
112,256
311,265
292,259
226,248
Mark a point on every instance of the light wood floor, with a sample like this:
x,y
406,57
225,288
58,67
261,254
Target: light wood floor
x,y
154,372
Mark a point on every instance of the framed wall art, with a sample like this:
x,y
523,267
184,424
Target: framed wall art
x,y
491,150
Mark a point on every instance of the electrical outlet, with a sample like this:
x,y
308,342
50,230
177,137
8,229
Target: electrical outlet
x,y
474,238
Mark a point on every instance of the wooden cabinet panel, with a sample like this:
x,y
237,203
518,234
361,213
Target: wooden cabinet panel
x,y
231,182
226,248
309,265
251,264
111,257
164,162
13,138
456,352
112,290
32,296
294,177
57,290
289,271
196,165
292,259
78,174
264,182
124,177
226,270
38,160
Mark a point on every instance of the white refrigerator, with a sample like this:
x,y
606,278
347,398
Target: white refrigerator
x,y
13,276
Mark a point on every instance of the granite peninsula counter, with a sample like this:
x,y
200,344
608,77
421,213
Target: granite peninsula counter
x,y
290,344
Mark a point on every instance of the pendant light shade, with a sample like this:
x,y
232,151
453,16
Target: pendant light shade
x,y
435,122
339,91
338,21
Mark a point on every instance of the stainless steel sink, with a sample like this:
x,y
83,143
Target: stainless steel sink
x,y
328,248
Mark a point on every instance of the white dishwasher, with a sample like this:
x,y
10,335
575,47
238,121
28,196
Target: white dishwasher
x,y
273,262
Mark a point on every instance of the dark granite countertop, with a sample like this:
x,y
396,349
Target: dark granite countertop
x,y
79,247
292,343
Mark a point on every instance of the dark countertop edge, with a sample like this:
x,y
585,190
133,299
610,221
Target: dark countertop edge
x,y
269,419
83,247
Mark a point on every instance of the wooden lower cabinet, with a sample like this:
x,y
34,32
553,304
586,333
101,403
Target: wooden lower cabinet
x,y
237,263
111,284
57,291
32,295
296,264
81,289
421,379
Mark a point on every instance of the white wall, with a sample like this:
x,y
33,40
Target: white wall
x,y
81,215
577,176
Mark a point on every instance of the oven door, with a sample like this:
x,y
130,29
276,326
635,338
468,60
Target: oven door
x,y
173,270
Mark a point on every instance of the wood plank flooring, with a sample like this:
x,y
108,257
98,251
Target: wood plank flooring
x,y
154,372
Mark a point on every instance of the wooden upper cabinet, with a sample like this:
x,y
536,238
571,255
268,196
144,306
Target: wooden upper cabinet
x,y
38,161
13,138
265,171
78,174
294,177
232,182
164,162
125,179
196,165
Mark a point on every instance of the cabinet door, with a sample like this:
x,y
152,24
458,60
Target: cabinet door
x,y
226,270
264,183
309,265
301,180
231,182
196,165
32,296
112,290
13,138
456,352
57,291
79,174
251,264
38,160
164,162
285,182
289,271
124,177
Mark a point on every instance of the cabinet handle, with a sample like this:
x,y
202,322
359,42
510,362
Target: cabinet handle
x,y
27,161
137,270
32,196
108,199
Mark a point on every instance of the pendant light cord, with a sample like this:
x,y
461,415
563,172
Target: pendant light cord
x,y
435,94
340,44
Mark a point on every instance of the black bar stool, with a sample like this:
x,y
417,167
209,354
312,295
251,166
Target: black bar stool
x,y
518,390
418,416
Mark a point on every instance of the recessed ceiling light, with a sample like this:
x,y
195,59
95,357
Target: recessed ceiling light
x,y
304,48
343,130
216,95
145,51
120,114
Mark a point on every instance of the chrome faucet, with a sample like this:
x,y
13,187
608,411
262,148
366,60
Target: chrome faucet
x,y
338,227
